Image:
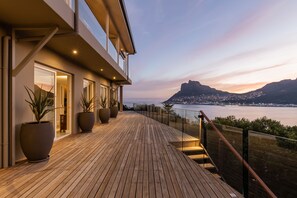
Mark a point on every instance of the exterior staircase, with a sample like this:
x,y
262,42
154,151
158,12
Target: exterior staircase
x,y
198,154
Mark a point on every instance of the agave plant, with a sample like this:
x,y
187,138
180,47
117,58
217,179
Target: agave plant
x,y
103,102
86,103
113,102
40,103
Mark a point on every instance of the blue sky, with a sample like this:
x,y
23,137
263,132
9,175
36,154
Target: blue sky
x,y
232,45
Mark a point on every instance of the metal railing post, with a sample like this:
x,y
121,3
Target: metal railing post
x,y
183,123
168,118
245,155
204,131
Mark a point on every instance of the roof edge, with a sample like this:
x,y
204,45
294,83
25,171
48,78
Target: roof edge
x,y
122,3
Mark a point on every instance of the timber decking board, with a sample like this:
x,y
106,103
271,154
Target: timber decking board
x,y
129,157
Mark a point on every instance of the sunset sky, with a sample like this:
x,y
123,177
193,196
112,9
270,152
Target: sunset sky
x,y
232,45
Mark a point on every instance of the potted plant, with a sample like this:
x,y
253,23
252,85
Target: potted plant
x,y
86,119
37,137
104,113
113,108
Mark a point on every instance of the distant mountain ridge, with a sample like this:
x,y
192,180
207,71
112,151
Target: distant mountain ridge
x,y
279,93
194,88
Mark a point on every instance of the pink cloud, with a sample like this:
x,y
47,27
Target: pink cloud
x,y
248,24
242,72
166,88
240,88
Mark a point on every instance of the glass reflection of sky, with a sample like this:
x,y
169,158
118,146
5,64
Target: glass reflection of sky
x,y
44,79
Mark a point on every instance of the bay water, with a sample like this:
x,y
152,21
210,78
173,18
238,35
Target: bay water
x,y
286,115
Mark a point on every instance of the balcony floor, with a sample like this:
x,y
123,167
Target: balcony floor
x,y
129,157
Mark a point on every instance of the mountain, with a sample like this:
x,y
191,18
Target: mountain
x,y
283,92
194,88
278,93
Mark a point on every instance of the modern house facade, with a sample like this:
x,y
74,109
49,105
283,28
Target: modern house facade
x,y
70,48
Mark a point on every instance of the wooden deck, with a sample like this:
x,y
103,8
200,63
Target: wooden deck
x,y
129,157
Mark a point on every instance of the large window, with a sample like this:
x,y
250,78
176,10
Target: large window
x,y
88,89
59,85
104,93
44,81
63,103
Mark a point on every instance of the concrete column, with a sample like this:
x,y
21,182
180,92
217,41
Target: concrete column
x,y
12,96
1,96
5,103
121,98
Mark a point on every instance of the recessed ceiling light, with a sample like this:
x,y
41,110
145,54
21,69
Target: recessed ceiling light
x,y
74,51
101,69
114,78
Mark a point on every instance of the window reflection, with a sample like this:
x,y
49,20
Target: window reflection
x,y
88,89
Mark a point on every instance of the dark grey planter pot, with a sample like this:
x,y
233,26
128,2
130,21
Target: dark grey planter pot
x,y
86,121
104,115
37,140
114,112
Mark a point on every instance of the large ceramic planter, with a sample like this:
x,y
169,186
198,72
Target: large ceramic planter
x,y
104,115
86,121
114,112
37,140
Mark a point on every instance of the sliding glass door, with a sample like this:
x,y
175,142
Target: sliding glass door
x,y
59,84
63,103
104,93
88,89
44,81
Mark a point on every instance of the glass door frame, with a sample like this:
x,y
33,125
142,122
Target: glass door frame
x,y
105,90
91,92
69,117
55,71
45,68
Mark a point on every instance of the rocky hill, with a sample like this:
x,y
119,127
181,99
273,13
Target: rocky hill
x,y
276,93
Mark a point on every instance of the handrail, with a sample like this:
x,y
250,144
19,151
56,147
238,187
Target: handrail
x,y
238,156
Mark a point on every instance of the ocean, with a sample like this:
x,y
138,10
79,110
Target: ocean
x,y
286,115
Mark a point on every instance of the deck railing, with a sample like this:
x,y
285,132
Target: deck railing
x,y
230,149
246,169
89,20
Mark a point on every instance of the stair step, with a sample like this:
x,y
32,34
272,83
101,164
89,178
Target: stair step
x,y
198,157
208,166
189,143
217,176
190,148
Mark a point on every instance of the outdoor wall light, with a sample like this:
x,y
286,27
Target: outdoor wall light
x,y
74,52
101,69
114,78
